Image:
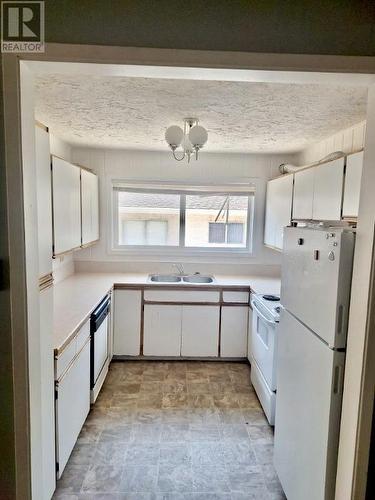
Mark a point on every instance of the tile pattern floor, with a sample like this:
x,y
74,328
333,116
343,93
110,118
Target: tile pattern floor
x,y
173,431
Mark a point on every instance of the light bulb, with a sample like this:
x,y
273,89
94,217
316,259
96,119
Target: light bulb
x,y
198,136
174,135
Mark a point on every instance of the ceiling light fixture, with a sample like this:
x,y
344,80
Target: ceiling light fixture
x,y
191,138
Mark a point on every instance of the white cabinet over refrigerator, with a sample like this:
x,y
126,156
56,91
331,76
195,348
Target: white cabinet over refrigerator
x,y
352,188
328,188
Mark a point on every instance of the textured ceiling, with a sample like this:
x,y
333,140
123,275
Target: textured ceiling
x,y
133,113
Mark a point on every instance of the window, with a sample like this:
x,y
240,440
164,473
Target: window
x,y
145,219
220,232
183,219
216,221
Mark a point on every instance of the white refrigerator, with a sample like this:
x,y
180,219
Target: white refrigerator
x,y
315,293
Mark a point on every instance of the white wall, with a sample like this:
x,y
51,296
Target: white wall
x,y
32,277
358,316
159,166
349,140
62,266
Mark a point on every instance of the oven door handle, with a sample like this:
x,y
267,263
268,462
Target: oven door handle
x,y
261,315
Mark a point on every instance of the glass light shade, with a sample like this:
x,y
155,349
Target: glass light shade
x,y
174,135
186,144
198,136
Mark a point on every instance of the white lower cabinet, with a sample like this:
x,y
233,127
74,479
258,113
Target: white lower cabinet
x,y
127,322
162,330
72,405
200,331
234,321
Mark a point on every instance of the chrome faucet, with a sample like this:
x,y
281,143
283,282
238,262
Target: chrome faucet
x,y
180,269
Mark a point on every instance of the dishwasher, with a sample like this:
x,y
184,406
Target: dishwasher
x,y
99,352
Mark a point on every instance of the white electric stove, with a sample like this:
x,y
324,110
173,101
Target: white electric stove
x,y
266,314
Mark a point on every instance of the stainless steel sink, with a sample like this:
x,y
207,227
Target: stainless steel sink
x,y
165,278
198,278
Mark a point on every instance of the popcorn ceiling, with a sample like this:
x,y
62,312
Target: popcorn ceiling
x,y
133,113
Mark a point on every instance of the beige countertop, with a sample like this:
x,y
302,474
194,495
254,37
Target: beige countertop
x,y
77,296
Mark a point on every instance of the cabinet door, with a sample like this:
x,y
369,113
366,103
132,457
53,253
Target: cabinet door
x,y
303,194
352,185
328,184
234,321
278,210
249,334
44,198
127,322
47,391
200,331
270,218
90,207
72,406
162,330
66,192
283,207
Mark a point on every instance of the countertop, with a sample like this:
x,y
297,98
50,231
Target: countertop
x,y
77,296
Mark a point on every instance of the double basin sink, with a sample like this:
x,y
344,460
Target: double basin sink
x,y
174,278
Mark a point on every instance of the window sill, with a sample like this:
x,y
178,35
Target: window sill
x,y
167,254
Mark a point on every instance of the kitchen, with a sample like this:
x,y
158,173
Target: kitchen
x,y
156,313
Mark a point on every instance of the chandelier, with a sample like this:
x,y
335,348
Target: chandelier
x,y
191,138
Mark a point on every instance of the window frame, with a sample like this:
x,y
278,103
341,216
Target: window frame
x,y
181,249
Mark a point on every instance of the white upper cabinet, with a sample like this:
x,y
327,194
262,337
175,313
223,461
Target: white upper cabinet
x,y
90,206
43,178
303,194
328,186
352,188
278,210
66,206
270,219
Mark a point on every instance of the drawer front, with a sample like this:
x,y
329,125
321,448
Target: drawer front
x,y
184,296
74,347
65,358
238,297
83,335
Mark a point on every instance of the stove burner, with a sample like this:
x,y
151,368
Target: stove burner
x,y
272,298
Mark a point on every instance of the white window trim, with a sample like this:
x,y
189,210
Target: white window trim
x,y
177,251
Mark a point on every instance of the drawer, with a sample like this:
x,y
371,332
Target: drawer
x,y
75,345
185,296
238,297
64,359
83,335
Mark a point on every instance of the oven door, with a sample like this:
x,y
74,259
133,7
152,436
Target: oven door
x,y
264,343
